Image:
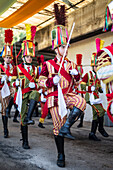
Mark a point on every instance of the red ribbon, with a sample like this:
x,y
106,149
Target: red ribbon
x,y
109,113
59,37
109,98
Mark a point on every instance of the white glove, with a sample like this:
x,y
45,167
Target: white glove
x,y
32,85
94,101
40,91
92,88
9,78
73,72
56,79
4,77
42,98
45,93
17,82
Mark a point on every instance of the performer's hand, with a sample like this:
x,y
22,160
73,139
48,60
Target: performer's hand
x,y
32,85
4,77
9,78
45,93
40,91
73,72
56,79
42,98
17,83
92,88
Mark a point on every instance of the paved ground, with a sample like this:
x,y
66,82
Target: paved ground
x,y
81,154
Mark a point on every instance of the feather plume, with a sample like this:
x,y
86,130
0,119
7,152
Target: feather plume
x,y
63,15
60,14
42,59
33,32
8,36
79,59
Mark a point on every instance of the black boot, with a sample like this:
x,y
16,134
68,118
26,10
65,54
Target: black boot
x,y
81,121
8,109
32,106
5,122
15,116
72,118
92,135
24,130
41,125
100,128
60,148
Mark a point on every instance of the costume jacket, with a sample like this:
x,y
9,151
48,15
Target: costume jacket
x,y
46,80
24,81
6,69
90,79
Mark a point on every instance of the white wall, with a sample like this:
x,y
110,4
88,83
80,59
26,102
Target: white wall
x,y
86,48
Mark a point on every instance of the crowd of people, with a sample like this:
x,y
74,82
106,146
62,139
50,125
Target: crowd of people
x,y
42,84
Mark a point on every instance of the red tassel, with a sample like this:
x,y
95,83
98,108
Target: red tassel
x,y
33,32
79,59
42,59
97,44
8,36
109,113
45,110
59,38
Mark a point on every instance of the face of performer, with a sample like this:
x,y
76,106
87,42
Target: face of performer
x,y
7,59
60,51
94,68
27,59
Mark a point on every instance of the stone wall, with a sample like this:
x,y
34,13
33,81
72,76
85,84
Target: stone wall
x,y
87,19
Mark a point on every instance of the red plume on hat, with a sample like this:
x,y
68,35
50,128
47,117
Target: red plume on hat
x,y
33,32
99,44
79,59
8,36
42,59
79,63
8,47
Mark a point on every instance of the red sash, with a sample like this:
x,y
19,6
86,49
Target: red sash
x,y
55,93
25,73
26,90
29,77
62,72
84,92
5,70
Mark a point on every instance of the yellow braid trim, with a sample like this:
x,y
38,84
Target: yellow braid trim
x,y
103,65
41,120
108,80
83,83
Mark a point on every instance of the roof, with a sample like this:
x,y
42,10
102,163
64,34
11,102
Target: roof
x,y
34,12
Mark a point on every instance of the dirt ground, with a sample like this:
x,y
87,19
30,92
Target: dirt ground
x,y
81,153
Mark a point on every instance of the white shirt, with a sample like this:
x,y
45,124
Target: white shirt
x,y
27,66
